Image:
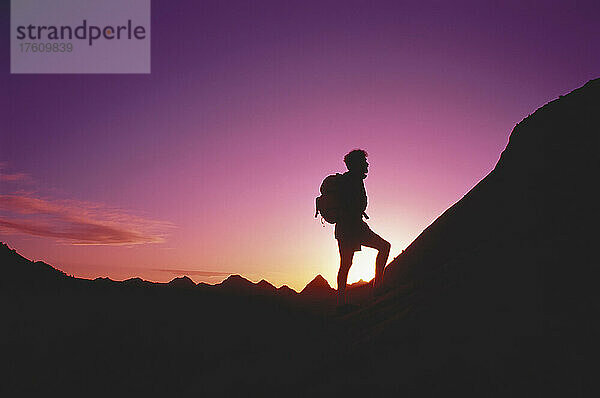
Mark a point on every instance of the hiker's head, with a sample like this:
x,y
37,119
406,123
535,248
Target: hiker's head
x,y
356,162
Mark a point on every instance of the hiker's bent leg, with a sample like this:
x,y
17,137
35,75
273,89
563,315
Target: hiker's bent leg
x,y
342,277
383,247
381,262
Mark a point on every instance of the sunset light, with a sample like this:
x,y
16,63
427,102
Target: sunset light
x,y
316,198
211,163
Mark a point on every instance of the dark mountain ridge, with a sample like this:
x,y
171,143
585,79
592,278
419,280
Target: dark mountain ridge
x,y
22,273
544,178
45,276
525,225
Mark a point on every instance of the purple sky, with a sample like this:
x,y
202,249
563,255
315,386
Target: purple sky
x,y
210,164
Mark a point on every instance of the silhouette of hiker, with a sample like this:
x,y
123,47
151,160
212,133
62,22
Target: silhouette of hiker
x,y
350,230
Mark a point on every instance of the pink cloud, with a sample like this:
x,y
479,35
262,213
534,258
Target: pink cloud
x,y
194,272
75,222
11,177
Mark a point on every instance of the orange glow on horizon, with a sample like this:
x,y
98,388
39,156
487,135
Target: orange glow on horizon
x,y
363,265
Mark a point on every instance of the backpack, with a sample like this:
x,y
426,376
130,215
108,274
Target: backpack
x,y
329,203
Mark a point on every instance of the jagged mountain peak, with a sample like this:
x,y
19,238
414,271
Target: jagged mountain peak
x,y
317,285
183,281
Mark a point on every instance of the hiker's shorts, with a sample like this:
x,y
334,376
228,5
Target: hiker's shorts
x,y
351,235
